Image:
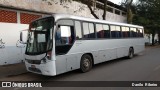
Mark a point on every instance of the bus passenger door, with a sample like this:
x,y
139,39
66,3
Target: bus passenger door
x,y
64,39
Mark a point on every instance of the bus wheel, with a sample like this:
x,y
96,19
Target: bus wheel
x,y
131,53
86,63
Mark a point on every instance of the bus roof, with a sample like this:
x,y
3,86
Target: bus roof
x,y
68,16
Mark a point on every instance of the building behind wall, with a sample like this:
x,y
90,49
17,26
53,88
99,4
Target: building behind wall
x,y
25,8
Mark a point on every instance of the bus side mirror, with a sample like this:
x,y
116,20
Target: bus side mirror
x,y
23,36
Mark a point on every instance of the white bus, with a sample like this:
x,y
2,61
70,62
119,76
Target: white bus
x,y
60,43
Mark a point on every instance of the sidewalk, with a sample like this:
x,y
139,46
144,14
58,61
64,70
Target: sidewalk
x,y
150,46
10,70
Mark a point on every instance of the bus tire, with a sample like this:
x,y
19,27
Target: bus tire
x,y
86,63
131,53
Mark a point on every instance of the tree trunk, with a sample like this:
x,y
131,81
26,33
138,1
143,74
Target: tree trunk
x,y
129,12
153,34
104,10
92,12
90,8
159,37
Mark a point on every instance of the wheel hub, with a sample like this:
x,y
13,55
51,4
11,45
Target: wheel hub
x,y
86,63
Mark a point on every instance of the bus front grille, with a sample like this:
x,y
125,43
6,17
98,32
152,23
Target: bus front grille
x,y
34,61
34,70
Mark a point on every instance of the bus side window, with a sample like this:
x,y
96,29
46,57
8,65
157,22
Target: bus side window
x,y
78,30
140,32
133,32
118,29
91,30
88,30
100,31
125,32
85,30
65,35
106,31
115,31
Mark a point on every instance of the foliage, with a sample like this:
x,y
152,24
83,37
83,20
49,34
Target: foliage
x,y
147,14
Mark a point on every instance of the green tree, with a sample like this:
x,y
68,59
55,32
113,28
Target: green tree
x,y
147,14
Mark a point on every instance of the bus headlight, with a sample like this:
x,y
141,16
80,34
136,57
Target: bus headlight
x,y
44,60
49,55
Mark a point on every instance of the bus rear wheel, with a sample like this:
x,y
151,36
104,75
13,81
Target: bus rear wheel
x,y
86,63
131,53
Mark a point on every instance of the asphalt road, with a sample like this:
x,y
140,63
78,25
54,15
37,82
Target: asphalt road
x,y
143,67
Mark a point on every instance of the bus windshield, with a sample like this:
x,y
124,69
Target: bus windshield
x,y
40,39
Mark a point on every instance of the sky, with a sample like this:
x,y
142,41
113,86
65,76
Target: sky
x,y
118,1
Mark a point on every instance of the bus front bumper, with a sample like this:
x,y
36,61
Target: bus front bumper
x,y
48,68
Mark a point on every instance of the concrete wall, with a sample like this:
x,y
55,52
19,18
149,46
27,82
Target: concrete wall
x,y
148,38
11,50
74,8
